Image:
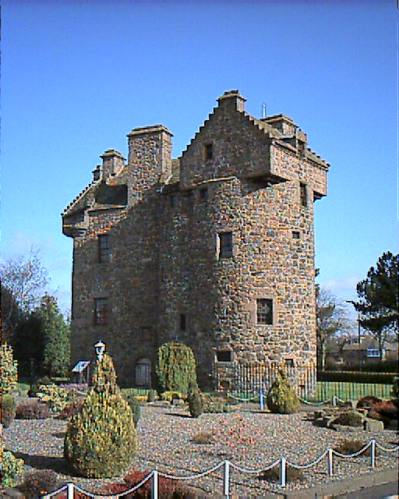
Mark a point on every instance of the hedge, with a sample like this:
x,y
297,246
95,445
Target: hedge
x,y
356,377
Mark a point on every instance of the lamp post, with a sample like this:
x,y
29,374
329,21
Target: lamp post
x,y
99,348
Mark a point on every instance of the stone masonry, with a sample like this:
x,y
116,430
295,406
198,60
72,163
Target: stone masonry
x,y
214,249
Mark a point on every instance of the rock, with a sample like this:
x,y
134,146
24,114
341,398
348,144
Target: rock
x,y
373,425
178,402
343,428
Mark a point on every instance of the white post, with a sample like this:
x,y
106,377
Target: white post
x,y
70,489
154,488
283,471
372,453
330,462
226,479
334,400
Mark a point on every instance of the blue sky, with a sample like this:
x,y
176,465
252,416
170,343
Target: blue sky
x,y
76,77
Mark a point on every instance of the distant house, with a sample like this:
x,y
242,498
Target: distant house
x,y
365,351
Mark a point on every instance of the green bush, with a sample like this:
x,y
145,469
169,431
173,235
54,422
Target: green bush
x,y
12,469
281,397
8,370
56,397
101,439
395,387
35,387
170,396
194,401
8,409
176,367
134,406
152,396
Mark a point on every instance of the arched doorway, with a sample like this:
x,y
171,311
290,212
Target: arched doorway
x,y
143,373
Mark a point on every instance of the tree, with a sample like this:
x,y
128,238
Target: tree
x,y
28,343
378,299
56,335
331,320
23,280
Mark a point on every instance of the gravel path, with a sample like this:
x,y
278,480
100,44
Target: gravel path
x,y
249,439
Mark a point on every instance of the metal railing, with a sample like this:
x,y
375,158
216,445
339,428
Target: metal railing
x,y
227,466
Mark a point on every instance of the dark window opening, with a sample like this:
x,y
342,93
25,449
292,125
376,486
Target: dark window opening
x,y
208,151
264,311
289,362
183,322
203,194
100,311
304,195
104,249
224,356
296,234
226,244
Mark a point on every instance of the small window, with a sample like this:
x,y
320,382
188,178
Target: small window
x,y
208,151
264,311
203,194
224,356
304,195
183,323
104,250
296,234
373,353
225,244
100,311
289,362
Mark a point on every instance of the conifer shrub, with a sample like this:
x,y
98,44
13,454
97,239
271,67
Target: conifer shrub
x,y
281,397
8,409
101,438
176,367
8,370
12,469
195,405
134,406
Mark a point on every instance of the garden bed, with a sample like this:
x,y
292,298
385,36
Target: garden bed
x,y
167,438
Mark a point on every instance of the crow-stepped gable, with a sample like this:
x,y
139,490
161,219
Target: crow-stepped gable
x,y
214,249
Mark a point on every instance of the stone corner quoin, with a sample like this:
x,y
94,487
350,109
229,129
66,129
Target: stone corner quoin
x,y
214,249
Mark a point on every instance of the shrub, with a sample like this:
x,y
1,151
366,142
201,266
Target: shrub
x,y
395,387
54,396
203,438
35,387
194,401
152,396
101,439
352,446
12,469
134,406
7,410
32,409
8,370
71,409
367,402
38,483
349,418
356,376
169,396
281,397
291,475
215,405
167,488
176,367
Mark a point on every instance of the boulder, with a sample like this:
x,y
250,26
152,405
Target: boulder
x,y
373,425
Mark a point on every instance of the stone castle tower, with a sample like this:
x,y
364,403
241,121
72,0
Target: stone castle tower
x,y
214,249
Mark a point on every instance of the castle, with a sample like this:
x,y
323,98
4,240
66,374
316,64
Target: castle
x,y
214,249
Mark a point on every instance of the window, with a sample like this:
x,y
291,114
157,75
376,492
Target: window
x,y
104,250
296,234
225,244
208,150
303,195
224,356
203,194
264,311
289,363
373,353
100,311
183,322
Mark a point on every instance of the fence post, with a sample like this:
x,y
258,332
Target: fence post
x,y
226,479
283,471
330,462
372,453
154,487
334,400
70,489
261,399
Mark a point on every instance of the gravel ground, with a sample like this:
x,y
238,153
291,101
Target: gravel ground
x,y
249,439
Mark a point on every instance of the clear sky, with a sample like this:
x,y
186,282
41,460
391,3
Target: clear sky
x,y
76,77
